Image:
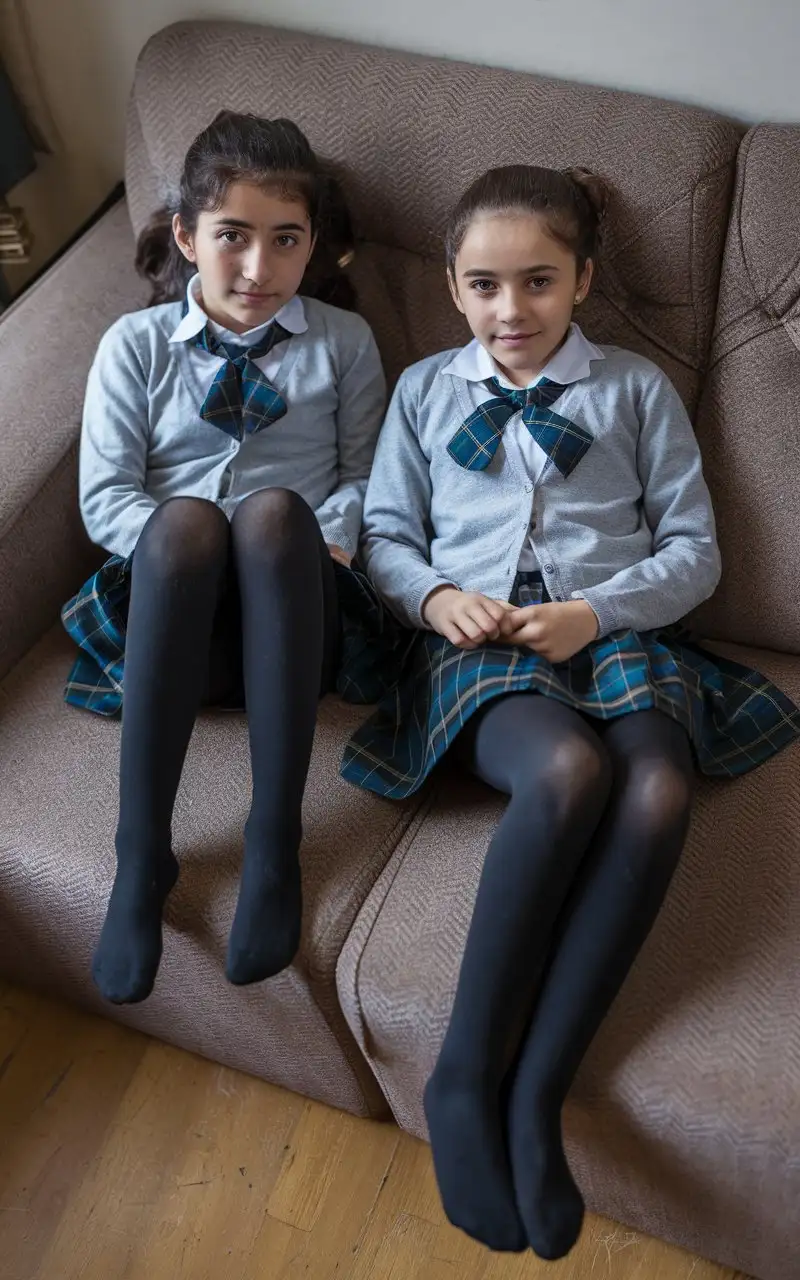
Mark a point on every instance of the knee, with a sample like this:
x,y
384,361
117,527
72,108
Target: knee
x,y
183,534
661,794
578,772
273,513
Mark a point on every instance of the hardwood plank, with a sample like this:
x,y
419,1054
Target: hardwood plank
x,y
404,1250
310,1164
65,1076
437,1269
277,1250
409,1192
457,1250
186,1173
125,1159
411,1186
346,1203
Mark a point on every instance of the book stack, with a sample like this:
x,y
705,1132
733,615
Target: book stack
x,y
15,236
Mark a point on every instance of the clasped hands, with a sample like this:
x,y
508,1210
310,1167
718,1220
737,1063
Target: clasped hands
x,y
469,620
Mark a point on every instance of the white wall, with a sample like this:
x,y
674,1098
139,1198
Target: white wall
x,y
738,56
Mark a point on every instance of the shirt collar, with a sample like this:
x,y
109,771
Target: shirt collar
x,y
292,316
570,363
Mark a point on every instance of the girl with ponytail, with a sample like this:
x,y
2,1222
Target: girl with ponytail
x,y
227,438
537,515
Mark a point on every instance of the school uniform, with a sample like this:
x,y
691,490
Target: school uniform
x,y
144,441
589,487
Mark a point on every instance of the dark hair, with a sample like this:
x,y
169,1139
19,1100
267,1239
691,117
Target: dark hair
x,y
275,155
572,202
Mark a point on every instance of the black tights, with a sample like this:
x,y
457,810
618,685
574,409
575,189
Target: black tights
x,y
213,602
572,883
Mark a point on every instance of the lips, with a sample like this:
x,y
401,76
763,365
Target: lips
x,y
514,339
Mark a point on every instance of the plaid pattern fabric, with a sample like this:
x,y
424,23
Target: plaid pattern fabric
x,y
96,618
241,399
373,645
475,443
736,718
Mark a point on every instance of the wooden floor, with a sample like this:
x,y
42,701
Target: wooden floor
x,y
121,1157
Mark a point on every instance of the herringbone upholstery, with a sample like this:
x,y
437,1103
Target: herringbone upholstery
x,y
407,134
749,422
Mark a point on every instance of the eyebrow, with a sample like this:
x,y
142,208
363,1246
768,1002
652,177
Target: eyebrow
x,y
248,226
526,271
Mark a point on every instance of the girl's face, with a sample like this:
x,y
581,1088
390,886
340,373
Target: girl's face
x,y
517,286
251,254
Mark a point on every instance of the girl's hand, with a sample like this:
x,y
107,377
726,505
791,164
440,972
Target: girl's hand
x,y
556,631
465,618
340,556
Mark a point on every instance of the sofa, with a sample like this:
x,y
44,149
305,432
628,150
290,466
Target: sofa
x,y
684,1121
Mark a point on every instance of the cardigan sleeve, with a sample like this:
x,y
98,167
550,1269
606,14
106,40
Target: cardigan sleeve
x,y
684,567
114,444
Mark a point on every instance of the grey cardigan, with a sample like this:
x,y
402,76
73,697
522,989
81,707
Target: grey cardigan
x,y
631,530
144,441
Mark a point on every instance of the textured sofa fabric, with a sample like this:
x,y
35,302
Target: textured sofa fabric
x,y
684,1118
47,342
749,421
407,134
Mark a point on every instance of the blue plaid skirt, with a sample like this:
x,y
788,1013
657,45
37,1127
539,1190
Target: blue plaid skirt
x,y
96,618
735,718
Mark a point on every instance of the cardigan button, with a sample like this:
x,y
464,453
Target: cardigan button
x,y
549,568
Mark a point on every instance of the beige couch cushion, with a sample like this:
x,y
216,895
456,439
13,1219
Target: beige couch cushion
x,y
684,1120
408,133
47,343
57,819
749,422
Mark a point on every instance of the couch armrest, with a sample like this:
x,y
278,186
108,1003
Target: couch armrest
x,y
47,342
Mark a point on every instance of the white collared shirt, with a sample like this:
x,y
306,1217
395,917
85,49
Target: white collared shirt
x,y
206,366
571,363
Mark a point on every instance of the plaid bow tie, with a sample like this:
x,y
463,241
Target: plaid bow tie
x,y
475,443
240,397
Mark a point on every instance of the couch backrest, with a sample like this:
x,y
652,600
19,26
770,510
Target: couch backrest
x,y
408,133
749,419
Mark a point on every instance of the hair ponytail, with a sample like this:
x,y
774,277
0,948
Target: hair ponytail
x,y
326,277
596,192
274,155
159,260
